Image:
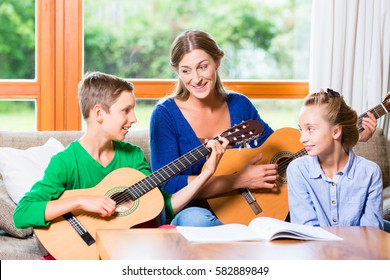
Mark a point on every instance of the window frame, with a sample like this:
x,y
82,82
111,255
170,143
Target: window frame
x,y
59,28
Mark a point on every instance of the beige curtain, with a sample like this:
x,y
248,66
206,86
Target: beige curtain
x,y
350,51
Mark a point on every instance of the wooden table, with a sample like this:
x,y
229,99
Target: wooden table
x,y
363,243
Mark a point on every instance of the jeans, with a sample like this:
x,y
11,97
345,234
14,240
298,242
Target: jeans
x,y
196,217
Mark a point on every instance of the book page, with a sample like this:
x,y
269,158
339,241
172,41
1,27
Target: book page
x,y
270,228
223,233
261,228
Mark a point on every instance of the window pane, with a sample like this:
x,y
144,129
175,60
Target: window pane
x,y
17,39
262,39
18,115
279,113
143,111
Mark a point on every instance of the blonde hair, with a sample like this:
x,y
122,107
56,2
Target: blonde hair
x,y
337,113
192,40
100,88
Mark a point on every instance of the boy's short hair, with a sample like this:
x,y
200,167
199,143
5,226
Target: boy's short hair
x,y
100,88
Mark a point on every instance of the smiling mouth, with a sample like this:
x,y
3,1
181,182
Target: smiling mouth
x,y
200,87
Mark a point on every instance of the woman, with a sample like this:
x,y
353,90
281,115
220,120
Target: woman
x,y
201,108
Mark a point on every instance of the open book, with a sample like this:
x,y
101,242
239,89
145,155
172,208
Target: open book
x,y
261,228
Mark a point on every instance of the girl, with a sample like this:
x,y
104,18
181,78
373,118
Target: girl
x,y
332,186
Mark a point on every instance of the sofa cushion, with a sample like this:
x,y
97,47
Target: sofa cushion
x,y
7,208
19,249
20,169
386,203
27,139
375,150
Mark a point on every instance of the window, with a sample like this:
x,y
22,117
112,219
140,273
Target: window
x,y
262,40
17,115
17,39
18,61
56,59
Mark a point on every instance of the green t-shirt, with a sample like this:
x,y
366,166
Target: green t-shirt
x,y
75,168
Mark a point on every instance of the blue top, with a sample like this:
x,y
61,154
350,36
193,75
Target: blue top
x,y
171,136
352,198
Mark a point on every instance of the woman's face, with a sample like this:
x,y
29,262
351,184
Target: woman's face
x,y
198,72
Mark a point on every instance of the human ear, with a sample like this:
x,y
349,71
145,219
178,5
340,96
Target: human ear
x,y
337,132
96,112
217,65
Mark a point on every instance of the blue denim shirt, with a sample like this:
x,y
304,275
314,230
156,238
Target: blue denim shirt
x,y
352,198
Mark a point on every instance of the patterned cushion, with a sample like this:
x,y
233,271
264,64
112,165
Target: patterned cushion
x,y
7,208
386,203
375,150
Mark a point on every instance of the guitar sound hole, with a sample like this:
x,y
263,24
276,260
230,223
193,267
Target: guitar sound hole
x,y
282,167
123,202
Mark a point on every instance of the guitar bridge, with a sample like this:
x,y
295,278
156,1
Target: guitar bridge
x,y
84,234
246,193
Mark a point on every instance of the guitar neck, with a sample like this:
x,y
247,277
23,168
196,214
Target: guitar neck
x,y
166,172
378,111
238,134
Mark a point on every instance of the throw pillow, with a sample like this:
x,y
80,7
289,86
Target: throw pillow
x,y
20,169
7,208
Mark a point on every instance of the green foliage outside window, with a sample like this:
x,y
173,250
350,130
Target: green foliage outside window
x,y
260,38
17,39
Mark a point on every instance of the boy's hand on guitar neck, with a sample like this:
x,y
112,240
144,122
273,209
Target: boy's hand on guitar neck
x,y
257,176
369,124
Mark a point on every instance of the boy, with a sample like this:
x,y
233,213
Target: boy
x,y
107,104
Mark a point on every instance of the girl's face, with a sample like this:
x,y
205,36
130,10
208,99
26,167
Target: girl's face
x,y
317,135
198,72
120,117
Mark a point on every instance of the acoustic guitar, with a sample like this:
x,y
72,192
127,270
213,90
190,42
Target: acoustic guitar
x,y
73,235
281,148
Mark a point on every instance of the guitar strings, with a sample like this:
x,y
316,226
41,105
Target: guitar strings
x,y
137,190
157,178
378,111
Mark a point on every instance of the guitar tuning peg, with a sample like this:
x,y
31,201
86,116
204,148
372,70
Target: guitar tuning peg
x,y
255,142
247,145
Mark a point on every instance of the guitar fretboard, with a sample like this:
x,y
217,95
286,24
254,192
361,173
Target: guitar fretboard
x,y
162,175
378,111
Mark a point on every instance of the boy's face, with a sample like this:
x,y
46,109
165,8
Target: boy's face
x,y
120,117
316,134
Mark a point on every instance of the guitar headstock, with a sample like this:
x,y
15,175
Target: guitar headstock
x,y
243,133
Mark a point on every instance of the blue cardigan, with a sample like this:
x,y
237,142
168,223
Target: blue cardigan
x,y
171,136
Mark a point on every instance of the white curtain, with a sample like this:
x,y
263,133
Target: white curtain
x,y
350,51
